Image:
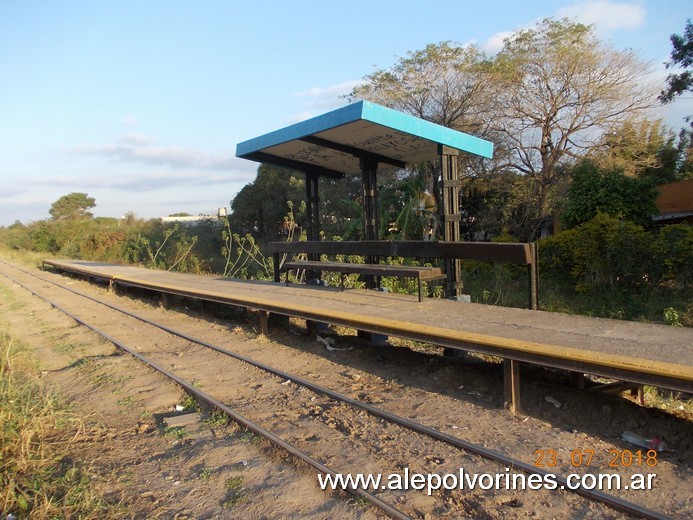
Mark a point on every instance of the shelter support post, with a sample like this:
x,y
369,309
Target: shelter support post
x,y
369,167
451,215
312,218
312,207
370,199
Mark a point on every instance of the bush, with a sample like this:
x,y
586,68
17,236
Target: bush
x,y
594,190
606,253
602,253
673,249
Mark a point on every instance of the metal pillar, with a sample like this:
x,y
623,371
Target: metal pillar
x,y
370,199
312,207
312,219
369,168
451,215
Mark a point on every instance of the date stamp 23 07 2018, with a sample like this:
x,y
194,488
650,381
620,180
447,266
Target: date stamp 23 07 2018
x,y
549,458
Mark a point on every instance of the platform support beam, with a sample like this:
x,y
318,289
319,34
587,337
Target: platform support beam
x,y
263,322
511,379
577,379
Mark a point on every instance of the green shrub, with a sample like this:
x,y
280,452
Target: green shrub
x,y
602,253
673,248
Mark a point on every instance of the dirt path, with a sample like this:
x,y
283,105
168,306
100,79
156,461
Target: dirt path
x,y
207,470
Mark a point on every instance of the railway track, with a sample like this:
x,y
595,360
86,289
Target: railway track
x,y
295,401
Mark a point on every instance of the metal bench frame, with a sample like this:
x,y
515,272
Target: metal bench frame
x,y
512,253
403,271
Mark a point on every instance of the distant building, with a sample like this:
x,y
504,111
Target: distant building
x,y
675,203
194,219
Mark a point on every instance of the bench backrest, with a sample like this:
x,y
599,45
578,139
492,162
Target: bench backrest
x,y
513,253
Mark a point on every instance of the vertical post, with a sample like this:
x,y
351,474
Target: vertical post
x,y
511,379
370,199
533,277
369,168
578,380
313,219
263,322
312,207
276,260
451,215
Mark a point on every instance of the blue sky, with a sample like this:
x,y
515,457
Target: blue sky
x,y
140,104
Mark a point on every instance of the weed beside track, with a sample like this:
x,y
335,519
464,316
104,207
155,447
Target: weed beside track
x,y
38,477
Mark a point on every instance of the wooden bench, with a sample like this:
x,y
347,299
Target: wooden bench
x,y
423,274
374,250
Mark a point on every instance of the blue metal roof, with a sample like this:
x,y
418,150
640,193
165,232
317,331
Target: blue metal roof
x,y
333,143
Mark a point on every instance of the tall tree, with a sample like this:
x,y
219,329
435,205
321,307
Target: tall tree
x,y
681,56
560,90
551,94
72,207
259,208
636,147
444,83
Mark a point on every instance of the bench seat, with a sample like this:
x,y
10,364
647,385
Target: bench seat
x,y
403,271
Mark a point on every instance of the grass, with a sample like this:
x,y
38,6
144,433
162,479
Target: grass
x,y
235,493
218,419
37,478
65,348
247,437
174,432
99,375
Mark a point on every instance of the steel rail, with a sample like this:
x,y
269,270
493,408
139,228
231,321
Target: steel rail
x,y
214,403
596,495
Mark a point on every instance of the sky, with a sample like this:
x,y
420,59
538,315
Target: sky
x,y
140,104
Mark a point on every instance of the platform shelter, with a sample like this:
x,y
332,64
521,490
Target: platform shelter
x,y
365,138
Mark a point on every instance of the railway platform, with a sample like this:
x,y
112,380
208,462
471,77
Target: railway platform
x,y
639,353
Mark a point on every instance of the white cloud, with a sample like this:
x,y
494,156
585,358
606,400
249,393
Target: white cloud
x,y
302,116
494,44
136,148
9,192
130,121
147,181
606,15
333,90
136,139
318,100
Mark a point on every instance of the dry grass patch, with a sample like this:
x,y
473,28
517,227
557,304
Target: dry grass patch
x,y
38,477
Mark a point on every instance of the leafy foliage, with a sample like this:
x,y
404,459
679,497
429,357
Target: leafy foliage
x,y
682,56
260,206
609,192
545,100
72,207
608,253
